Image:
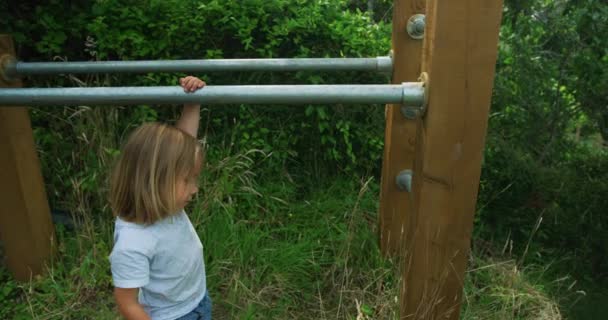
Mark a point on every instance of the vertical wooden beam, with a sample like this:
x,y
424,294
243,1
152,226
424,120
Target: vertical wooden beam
x,y
459,56
400,133
26,228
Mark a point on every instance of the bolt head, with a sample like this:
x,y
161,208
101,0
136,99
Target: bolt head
x,y
410,112
416,25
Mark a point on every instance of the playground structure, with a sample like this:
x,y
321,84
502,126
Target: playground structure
x,y
442,65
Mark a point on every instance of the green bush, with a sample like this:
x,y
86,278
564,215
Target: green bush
x,y
338,137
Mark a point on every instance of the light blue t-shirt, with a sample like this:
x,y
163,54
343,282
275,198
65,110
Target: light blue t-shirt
x,y
164,260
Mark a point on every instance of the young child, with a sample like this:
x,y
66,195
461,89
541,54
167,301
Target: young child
x,y
157,259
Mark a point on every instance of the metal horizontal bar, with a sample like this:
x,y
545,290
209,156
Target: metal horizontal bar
x,y
378,64
407,93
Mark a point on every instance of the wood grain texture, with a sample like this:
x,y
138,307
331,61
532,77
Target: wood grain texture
x,y
26,228
400,134
459,54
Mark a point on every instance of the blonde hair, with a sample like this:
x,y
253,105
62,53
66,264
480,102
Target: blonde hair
x,y
142,186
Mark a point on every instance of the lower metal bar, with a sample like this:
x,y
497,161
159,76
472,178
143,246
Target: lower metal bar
x,y
407,93
379,64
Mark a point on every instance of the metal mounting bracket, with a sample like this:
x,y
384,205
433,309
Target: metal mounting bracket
x,y
414,112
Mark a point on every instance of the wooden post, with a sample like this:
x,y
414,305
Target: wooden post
x,y
400,133
459,56
26,229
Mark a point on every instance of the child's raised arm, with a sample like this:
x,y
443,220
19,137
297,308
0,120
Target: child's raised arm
x,y
191,113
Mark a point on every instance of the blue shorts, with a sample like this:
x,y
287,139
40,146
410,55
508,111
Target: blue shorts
x,y
201,312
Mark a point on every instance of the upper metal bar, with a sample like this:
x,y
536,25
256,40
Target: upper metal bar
x,y
407,93
378,64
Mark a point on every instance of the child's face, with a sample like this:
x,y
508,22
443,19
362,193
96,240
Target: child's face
x,y
187,187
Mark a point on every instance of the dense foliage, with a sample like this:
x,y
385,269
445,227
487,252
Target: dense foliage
x,y
546,161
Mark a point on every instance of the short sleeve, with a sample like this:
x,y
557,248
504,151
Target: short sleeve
x,y
130,267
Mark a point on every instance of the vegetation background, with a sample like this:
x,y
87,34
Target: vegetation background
x,y
289,198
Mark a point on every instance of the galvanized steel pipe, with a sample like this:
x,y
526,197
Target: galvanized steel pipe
x,y
378,64
407,93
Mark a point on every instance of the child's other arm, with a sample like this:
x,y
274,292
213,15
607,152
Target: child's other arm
x,y
129,307
191,113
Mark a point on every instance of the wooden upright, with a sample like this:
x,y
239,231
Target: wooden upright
x,y
459,55
430,228
400,133
26,229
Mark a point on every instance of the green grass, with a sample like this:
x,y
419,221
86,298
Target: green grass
x,y
277,246
504,290
594,305
274,250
